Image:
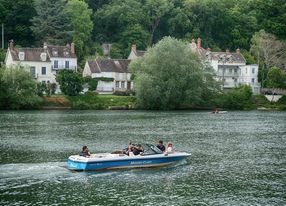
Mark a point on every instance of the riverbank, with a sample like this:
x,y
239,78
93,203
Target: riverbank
x,y
81,102
113,102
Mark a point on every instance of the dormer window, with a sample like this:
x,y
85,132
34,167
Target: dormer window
x,y
21,56
66,53
55,52
43,57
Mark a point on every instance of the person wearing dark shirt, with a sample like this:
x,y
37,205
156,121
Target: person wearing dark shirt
x,y
137,150
85,152
161,146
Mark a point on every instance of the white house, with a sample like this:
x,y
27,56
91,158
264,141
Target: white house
x,y
43,63
230,67
134,53
117,69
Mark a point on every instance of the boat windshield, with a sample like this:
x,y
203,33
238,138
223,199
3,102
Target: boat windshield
x,y
150,149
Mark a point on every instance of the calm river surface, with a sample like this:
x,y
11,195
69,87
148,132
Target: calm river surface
x,y
238,158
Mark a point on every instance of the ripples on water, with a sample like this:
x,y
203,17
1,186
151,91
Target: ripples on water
x,y
237,158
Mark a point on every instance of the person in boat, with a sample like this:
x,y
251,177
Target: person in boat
x,y
128,149
137,150
215,111
85,152
170,148
161,146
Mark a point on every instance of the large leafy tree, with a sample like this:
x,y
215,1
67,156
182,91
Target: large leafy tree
x,y
70,82
17,89
16,16
82,25
268,51
51,23
170,74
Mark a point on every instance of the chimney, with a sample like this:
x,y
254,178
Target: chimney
x,y
238,51
227,51
72,48
11,44
199,42
45,45
68,45
208,49
133,47
193,40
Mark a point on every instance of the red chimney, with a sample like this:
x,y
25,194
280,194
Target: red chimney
x,y
199,42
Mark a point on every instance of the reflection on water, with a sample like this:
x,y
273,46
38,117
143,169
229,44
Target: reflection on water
x,y
237,158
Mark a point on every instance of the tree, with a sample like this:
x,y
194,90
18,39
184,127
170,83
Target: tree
x,y
51,23
237,98
155,10
70,82
170,74
276,78
82,25
17,89
16,16
268,51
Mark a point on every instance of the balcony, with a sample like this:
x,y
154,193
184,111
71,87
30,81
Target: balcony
x,y
63,67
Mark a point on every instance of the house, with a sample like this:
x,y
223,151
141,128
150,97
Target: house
x,y
43,63
230,67
134,53
115,69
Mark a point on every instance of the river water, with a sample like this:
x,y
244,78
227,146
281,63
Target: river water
x,y
238,158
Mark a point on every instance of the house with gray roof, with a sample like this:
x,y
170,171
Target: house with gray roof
x,y
116,69
43,63
134,53
230,67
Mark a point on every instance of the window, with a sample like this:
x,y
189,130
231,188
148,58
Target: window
x,y
56,64
117,84
67,64
245,70
44,72
122,84
33,72
252,80
235,70
253,70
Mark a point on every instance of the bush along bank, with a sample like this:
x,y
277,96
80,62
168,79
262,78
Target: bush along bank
x,y
94,101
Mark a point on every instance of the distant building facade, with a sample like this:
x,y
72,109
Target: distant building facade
x,y
230,67
43,63
110,68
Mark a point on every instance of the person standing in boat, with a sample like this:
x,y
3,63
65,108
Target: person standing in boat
x,y
85,152
161,146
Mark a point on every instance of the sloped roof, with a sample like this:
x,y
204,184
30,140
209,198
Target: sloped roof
x,y
30,54
60,51
140,53
233,57
109,65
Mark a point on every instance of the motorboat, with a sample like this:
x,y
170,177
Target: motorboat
x,y
219,112
150,157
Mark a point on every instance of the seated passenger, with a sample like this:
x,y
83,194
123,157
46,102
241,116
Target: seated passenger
x,y
161,146
137,150
170,148
85,152
128,149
